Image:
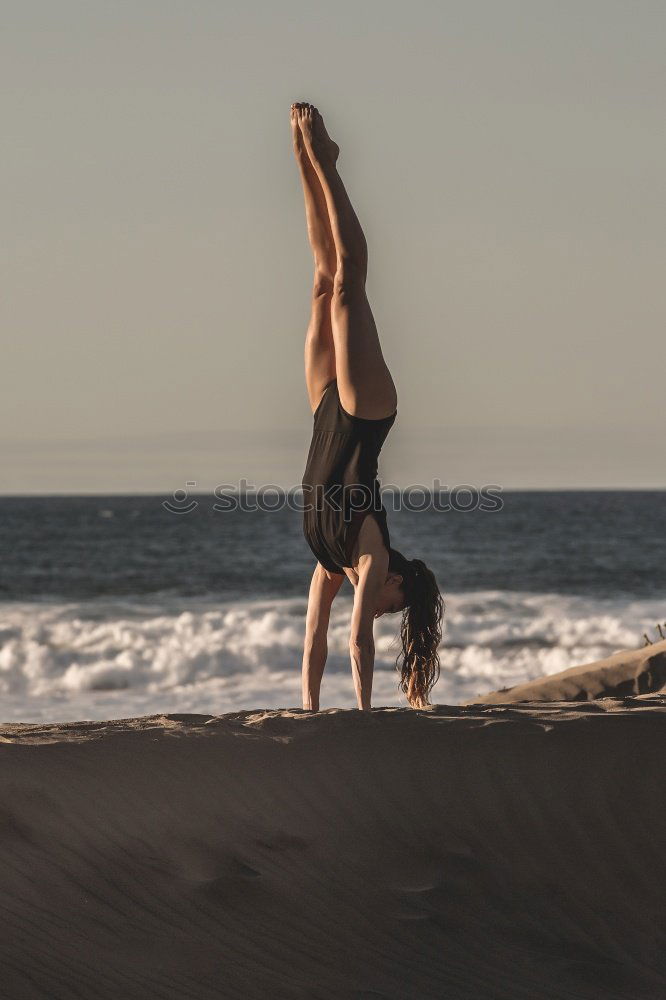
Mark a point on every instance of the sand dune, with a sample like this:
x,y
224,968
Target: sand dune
x,y
480,853
629,672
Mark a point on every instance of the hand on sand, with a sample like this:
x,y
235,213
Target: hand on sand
x,y
309,132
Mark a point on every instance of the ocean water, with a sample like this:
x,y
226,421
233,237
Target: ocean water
x,y
112,607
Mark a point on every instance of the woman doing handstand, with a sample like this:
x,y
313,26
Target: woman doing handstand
x,y
354,400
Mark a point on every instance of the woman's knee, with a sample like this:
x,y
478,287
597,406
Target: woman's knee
x,y
350,276
322,286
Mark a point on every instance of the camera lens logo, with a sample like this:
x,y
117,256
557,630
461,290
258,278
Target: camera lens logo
x,y
179,504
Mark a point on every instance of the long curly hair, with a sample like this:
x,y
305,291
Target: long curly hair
x,y
420,630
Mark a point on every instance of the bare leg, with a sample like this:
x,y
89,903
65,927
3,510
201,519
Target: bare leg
x,y
364,381
320,366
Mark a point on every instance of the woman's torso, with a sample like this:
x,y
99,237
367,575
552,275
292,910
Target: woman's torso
x,y
340,484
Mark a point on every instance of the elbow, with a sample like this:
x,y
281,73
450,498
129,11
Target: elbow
x,y
361,644
315,642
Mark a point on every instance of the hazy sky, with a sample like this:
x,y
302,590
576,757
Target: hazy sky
x,y
507,160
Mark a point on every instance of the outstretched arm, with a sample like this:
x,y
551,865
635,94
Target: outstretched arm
x,y
372,569
323,588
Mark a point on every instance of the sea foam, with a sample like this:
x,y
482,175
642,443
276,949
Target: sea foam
x,y
86,660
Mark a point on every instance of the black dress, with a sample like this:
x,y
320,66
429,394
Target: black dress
x,y
340,485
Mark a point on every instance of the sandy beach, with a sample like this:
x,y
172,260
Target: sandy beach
x,y
486,851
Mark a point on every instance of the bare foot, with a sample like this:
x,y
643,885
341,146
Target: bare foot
x,y
313,134
297,136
